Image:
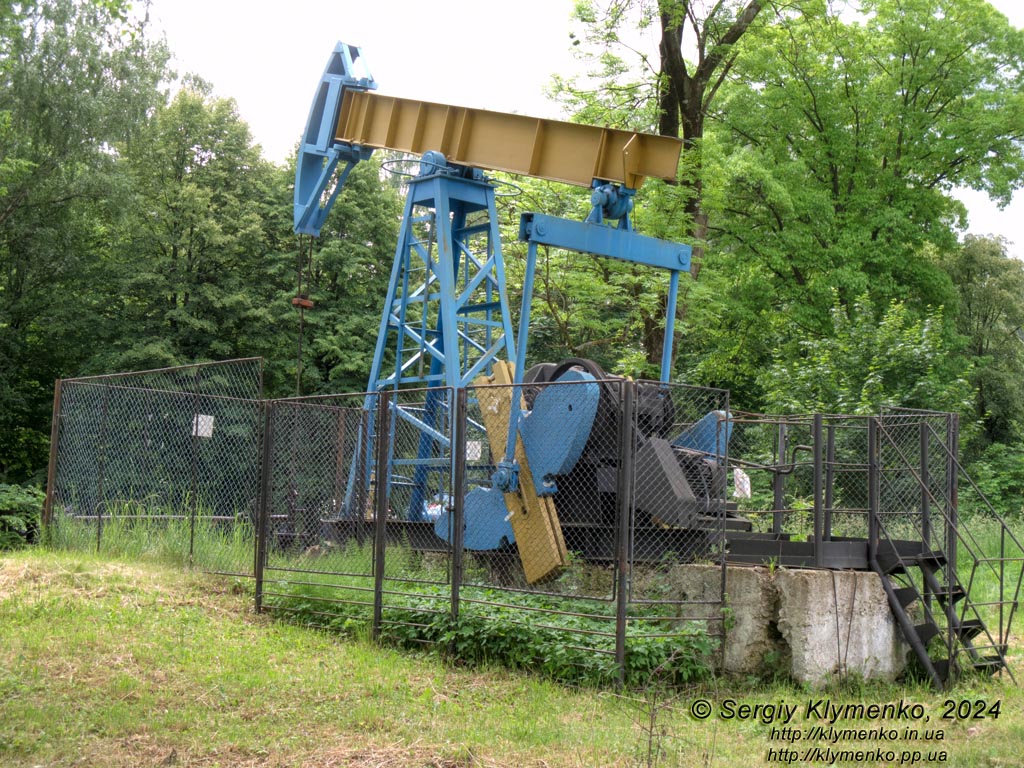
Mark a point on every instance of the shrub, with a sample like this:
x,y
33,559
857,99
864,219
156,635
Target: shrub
x,y
999,474
573,647
21,509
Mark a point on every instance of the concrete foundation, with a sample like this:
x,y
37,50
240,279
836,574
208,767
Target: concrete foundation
x,y
814,626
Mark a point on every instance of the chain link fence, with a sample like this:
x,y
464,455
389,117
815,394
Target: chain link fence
x,y
972,590
316,514
379,514
809,475
592,546
161,462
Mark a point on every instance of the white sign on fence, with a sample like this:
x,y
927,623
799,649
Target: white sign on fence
x,y
202,425
740,484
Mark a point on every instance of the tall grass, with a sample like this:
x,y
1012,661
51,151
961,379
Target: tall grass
x,y
214,546
115,664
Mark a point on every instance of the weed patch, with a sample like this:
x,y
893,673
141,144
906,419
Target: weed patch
x,y
565,639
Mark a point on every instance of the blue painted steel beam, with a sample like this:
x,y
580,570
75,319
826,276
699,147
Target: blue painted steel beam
x,y
670,326
602,240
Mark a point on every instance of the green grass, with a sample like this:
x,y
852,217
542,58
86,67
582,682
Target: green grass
x,y
206,545
105,662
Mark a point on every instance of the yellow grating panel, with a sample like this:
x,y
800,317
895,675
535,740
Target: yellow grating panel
x,y
530,146
534,518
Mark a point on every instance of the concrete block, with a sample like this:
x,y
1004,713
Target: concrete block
x,y
838,623
752,636
814,625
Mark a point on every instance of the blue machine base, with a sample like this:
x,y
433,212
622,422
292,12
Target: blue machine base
x,y
706,436
487,525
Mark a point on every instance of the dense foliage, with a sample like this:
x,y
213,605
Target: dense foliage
x,y
569,644
20,514
140,226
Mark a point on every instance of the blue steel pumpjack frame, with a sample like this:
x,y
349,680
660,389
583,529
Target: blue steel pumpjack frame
x,y
614,243
596,238
468,334
465,288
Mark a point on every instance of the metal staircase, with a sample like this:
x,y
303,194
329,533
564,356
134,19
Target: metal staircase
x,y
884,493
953,595
944,627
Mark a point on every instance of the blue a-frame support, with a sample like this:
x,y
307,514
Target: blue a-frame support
x,y
446,316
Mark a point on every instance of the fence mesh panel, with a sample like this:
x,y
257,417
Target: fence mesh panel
x,y
418,457
161,463
778,455
318,510
680,513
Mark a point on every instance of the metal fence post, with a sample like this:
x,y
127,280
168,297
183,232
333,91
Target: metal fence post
x,y
926,521
100,464
380,434
830,478
194,488
779,484
51,469
459,497
263,514
625,528
952,518
873,489
819,448
723,530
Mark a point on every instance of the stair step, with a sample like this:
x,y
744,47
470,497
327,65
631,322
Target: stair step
x,y
970,628
892,564
991,664
906,595
898,562
926,632
951,594
946,595
934,559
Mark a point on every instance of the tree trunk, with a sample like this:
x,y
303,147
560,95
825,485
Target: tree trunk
x,y
685,94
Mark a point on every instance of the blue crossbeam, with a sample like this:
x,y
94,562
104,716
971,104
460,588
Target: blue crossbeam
x,y
602,240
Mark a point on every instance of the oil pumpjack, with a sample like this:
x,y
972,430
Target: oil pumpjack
x,y
447,323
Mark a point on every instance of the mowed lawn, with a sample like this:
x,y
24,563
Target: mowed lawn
x,y
111,663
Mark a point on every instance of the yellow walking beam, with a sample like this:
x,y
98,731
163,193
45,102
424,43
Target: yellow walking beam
x,y
529,146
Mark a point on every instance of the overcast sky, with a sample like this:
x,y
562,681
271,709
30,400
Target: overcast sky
x,y
477,53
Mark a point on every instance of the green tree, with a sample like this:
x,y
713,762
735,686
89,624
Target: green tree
x,y
195,260
864,365
75,80
697,48
837,144
346,273
672,91
842,141
990,315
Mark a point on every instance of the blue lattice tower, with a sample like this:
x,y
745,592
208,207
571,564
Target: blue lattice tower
x,y
446,317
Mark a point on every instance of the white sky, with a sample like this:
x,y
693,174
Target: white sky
x,y
488,54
